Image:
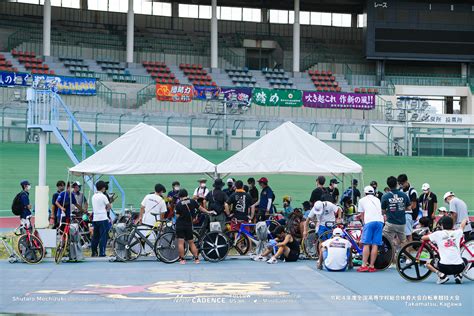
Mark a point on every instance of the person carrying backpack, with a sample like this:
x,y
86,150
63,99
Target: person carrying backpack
x,y
216,203
21,203
351,192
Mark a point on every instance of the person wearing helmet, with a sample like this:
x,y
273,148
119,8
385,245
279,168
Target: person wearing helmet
x,y
335,253
458,210
325,213
428,202
371,215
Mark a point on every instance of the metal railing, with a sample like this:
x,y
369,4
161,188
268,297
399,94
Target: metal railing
x,y
426,79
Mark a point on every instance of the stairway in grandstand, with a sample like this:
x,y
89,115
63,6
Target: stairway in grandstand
x,y
46,110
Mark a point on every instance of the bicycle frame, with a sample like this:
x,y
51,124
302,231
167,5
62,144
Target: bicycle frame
x,y
252,238
157,228
427,243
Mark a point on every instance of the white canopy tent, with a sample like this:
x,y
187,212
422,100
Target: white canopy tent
x,y
144,150
288,149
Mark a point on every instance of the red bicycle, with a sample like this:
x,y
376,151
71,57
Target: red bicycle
x,y
412,259
62,240
30,248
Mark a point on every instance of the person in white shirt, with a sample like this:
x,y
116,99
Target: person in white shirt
x,y
100,221
448,242
370,211
323,212
458,211
201,191
153,206
335,253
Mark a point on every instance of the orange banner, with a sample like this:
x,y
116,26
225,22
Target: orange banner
x,y
174,93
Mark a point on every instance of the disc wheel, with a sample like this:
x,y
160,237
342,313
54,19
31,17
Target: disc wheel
x,y
240,243
61,247
127,247
166,248
469,270
384,255
411,268
30,249
310,245
214,246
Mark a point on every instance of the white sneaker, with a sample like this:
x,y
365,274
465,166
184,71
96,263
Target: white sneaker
x,y
259,258
442,278
272,260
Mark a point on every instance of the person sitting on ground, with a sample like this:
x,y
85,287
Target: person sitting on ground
x,y
288,247
371,215
184,224
335,253
448,241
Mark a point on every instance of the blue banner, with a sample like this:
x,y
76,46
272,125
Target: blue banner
x,y
8,79
241,95
201,91
65,85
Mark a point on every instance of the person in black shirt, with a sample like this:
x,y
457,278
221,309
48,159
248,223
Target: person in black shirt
x,y
288,247
253,191
374,185
318,192
333,190
185,208
216,203
412,212
239,204
428,203
60,185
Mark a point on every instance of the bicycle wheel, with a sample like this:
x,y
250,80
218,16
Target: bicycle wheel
x,y
61,248
311,245
30,249
410,266
166,248
466,252
127,247
240,244
325,236
384,255
214,246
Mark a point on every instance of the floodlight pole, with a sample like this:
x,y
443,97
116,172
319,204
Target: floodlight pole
x,y
130,30
296,38
47,28
42,159
214,54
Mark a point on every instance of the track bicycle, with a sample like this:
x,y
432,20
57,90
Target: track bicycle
x,y
62,239
29,247
413,256
353,235
242,238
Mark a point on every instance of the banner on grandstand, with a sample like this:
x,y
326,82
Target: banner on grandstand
x,y
241,95
8,79
334,100
174,93
206,92
274,97
449,119
65,85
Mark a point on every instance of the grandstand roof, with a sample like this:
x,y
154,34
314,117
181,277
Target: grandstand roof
x,y
288,149
144,150
338,6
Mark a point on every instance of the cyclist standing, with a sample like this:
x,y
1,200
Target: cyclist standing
x,y
216,202
65,201
80,198
153,203
265,202
240,203
185,208
60,185
100,221
371,215
448,241
25,202
412,212
253,191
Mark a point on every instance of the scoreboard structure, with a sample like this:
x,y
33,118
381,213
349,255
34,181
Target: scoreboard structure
x,y
420,30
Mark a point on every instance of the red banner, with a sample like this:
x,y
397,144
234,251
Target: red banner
x,y
174,93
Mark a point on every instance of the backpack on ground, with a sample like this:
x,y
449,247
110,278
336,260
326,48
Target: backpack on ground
x,y
17,206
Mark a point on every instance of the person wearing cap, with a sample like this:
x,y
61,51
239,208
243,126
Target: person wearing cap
x,y
411,213
100,220
326,214
318,192
25,200
458,211
64,202
153,206
216,204
60,185
253,191
335,253
394,205
333,190
265,202
370,211
428,203
230,187
80,199
201,191
374,185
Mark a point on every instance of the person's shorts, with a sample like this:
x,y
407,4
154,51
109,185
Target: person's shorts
x,y
450,269
409,224
325,255
322,229
392,230
372,233
293,256
184,233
